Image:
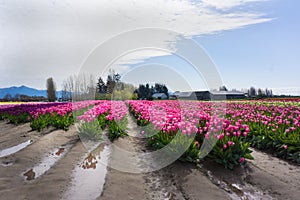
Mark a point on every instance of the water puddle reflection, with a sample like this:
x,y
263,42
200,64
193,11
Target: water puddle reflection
x,y
7,163
89,175
14,149
47,162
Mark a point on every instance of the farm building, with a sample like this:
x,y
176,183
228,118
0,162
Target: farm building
x,y
220,95
159,96
210,95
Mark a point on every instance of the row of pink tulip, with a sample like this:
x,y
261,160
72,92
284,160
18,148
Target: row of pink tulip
x,y
115,110
274,126
199,120
92,114
273,117
171,116
63,109
106,113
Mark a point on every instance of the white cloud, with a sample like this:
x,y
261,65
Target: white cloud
x,y
227,4
43,38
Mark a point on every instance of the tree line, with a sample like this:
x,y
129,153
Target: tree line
x,y
78,87
23,98
253,92
146,91
83,86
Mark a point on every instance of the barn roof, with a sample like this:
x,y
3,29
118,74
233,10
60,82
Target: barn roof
x,y
227,93
157,95
189,94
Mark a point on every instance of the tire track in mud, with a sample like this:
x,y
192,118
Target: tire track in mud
x,y
5,125
15,135
123,185
12,175
276,176
45,169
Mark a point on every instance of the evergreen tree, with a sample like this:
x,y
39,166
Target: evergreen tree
x,y
101,87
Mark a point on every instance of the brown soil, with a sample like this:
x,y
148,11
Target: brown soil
x,y
275,176
13,184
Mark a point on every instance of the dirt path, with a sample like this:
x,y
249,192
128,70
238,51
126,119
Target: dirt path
x,y
279,178
12,174
122,185
11,135
19,134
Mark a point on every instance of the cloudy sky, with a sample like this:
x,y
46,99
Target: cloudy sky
x,y
251,42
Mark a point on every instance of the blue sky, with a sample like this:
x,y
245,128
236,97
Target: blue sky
x,y
263,55
251,42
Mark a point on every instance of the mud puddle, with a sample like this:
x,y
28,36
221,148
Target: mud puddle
x,y
47,162
89,175
163,186
7,163
236,190
14,149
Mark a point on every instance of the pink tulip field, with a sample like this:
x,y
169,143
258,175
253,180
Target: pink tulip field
x,y
269,125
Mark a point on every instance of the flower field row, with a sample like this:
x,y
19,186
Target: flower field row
x,y
21,113
273,127
106,113
169,118
41,115
60,116
266,125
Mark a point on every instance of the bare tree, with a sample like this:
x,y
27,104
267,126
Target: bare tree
x,y
260,93
51,90
269,92
252,92
79,87
66,94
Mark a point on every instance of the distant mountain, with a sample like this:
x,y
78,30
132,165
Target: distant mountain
x,y
25,90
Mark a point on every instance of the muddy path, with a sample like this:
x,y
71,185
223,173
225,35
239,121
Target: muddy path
x,y
124,185
33,170
51,166
12,135
16,165
277,177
